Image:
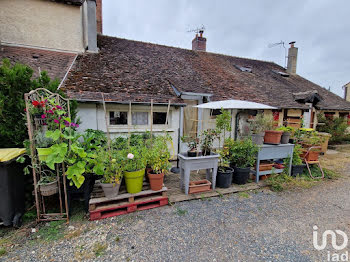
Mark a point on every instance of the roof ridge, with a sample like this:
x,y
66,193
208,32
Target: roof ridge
x,y
189,50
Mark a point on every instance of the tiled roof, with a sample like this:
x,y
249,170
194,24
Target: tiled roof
x,y
138,71
55,63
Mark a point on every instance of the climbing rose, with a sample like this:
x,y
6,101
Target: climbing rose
x,y
35,103
130,156
43,116
56,121
59,107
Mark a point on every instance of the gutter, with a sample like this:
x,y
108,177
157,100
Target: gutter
x,y
127,102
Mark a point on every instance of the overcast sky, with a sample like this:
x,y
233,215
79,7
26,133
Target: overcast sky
x,y
320,28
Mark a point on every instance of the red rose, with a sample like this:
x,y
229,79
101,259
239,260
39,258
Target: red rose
x,y
35,103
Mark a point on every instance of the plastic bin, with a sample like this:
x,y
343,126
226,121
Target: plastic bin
x,y
12,201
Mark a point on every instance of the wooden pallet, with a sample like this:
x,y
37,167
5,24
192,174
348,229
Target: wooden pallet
x,y
101,207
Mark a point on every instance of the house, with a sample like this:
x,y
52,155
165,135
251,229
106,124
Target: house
x,y
48,35
137,78
131,71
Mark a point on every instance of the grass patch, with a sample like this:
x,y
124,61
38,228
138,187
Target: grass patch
x,y
117,239
220,194
243,194
2,251
51,232
29,216
99,249
181,212
281,182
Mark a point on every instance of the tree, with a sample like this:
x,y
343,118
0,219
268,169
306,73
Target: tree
x,y
15,81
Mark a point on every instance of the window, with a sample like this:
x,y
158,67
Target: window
x,y
329,115
118,118
139,118
159,118
215,112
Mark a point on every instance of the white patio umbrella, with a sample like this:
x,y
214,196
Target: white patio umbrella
x,y
234,104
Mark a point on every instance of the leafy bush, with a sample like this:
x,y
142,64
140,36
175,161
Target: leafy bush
x,y
242,153
15,81
336,127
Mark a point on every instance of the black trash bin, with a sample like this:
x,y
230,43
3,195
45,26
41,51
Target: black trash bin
x,y
12,201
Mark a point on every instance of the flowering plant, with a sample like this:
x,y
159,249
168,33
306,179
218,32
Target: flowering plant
x,y
135,158
37,107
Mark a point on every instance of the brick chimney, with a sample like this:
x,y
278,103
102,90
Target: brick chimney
x,y
292,59
99,16
347,92
199,43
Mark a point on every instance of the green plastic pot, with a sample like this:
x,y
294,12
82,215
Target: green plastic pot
x,y
43,153
134,181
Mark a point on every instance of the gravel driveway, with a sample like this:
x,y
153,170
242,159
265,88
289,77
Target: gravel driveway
x,y
266,226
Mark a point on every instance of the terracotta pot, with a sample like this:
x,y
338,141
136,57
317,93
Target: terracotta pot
x,y
199,186
273,137
312,156
156,181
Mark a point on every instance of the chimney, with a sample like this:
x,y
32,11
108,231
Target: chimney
x,y
91,26
347,92
99,16
199,43
292,59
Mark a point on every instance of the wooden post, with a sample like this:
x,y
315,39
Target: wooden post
x,y
129,123
167,114
107,128
32,153
151,120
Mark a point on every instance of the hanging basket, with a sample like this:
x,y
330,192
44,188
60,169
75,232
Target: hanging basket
x,y
49,189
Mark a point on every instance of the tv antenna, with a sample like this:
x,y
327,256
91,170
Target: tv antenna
x,y
281,43
197,30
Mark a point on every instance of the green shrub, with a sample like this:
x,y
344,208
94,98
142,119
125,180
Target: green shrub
x,y
336,127
242,153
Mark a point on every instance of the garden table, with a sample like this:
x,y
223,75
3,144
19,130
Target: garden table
x,y
195,163
273,152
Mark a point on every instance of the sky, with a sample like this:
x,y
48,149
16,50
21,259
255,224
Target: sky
x,y
321,29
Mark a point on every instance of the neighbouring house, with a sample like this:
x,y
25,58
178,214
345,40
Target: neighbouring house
x,y
132,75
48,35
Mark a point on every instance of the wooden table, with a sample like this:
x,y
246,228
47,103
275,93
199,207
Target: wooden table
x,y
210,163
267,152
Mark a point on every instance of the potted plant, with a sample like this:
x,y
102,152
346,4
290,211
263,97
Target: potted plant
x,y
257,128
225,172
287,132
297,162
242,155
37,110
43,144
272,136
110,165
223,124
207,139
48,184
158,159
192,143
134,168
